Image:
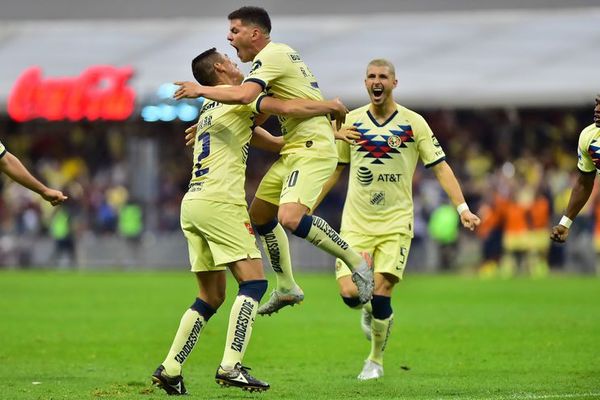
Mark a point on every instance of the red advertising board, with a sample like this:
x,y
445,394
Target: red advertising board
x,y
100,92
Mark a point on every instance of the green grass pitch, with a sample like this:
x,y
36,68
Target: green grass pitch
x,y
100,336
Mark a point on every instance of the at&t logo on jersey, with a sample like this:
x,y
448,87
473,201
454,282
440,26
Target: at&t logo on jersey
x,y
364,176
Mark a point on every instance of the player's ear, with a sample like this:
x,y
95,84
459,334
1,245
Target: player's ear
x,y
395,83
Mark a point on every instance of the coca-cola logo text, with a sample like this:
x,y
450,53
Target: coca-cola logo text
x,y
100,92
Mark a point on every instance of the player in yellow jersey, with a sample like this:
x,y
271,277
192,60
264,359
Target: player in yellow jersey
x,y
378,213
588,164
292,185
11,166
215,222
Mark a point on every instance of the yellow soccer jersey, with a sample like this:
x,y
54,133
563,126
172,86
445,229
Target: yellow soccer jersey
x,y
379,199
222,138
588,150
280,71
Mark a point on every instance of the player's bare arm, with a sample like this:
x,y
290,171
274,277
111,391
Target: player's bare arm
x,y
262,139
333,179
582,189
11,166
447,180
303,108
245,93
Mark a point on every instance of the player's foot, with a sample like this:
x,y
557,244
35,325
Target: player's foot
x,y
371,370
173,385
362,277
240,377
365,322
280,299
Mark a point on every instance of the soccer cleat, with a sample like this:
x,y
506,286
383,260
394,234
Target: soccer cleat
x,y
365,322
280,299
362,277
240,377
172,385
371,370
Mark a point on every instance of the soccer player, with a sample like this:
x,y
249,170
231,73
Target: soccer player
x,y
378,213
11,166
588,164
215,222
292,185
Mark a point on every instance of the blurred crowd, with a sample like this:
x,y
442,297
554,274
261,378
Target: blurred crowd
x,y
516,167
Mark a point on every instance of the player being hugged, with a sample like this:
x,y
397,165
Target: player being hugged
x,y
378,213
290,188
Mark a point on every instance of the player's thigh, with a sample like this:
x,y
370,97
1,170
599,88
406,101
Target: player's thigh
x,y
359,243
269,189
305,179
225,228
391,254
248,270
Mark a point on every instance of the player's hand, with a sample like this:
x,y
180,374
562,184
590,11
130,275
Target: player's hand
x,y
190,135
469,220
339,114
187,90
54,197
559,233
348,134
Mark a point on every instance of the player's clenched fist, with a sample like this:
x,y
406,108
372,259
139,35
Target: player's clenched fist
x,y
559,233
469,220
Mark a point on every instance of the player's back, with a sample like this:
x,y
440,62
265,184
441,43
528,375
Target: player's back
x,y
280,71
220,153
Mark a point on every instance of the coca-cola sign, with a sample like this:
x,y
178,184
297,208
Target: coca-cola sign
x,y
100,92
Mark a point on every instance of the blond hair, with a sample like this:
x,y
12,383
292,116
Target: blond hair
x,y
381,62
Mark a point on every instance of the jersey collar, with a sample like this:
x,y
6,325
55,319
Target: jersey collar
x,y
385,123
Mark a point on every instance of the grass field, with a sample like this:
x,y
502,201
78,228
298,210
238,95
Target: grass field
x,y
101,335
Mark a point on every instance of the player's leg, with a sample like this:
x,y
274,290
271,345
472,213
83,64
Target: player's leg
x,y
211,282
301,189
263,213
391,254
252,287
382,319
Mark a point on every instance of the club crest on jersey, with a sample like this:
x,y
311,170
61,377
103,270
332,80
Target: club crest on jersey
x,y
382,146
364,176
377,198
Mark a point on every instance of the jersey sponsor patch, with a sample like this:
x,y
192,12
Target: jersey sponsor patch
x,y
364,176
255,65
378,198
295,57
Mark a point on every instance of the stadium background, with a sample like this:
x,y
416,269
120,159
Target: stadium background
x,y
506,88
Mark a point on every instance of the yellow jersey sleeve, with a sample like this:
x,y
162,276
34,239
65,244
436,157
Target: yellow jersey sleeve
x,y
429,148
266,69
2,150
343,151
588,149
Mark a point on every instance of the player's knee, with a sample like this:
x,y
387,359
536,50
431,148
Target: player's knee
x,y
382,307
352,302
254,289
289,220
203,308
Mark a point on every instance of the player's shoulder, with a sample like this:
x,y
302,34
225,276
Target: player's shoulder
x,y
276,49
358,112
590,131
410,115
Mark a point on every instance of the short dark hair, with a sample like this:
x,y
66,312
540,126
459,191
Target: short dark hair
x,y
253,15
203,67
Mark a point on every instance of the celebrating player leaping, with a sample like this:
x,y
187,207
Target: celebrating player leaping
x,y
292,185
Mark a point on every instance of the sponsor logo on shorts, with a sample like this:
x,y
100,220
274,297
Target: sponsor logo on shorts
x,y
190,342
241,325
249,227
